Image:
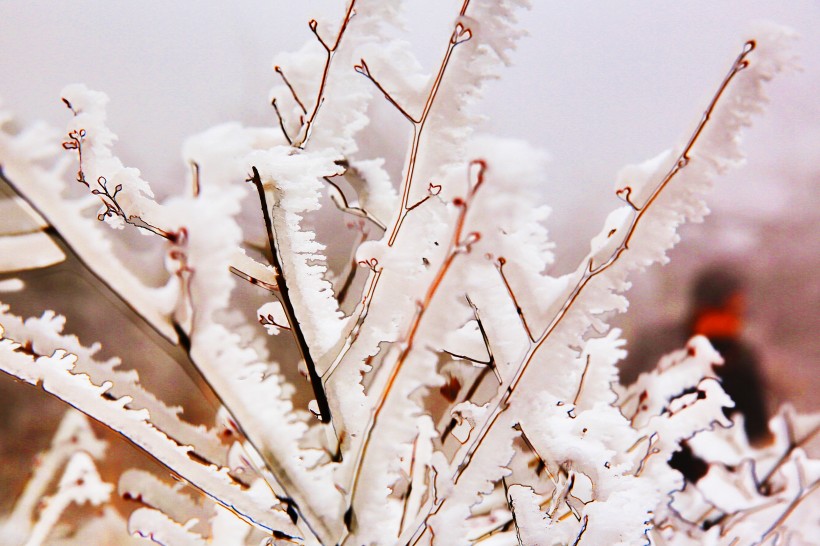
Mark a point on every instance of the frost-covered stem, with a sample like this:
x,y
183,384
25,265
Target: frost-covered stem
x,y
510,506
460,35
732,519
49,516
581,382
349,273
683,159
802,494
458,244
591,272
253,280
489,365
542,463
287,305
500,528
343,205
55,375
501,401
367,299
66,245
80,484
273,471
330,51
793,444
112,206
407,493
73,435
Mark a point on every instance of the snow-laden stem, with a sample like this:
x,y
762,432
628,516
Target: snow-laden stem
x,y
284,296
501,400
161,325
459,244
459,35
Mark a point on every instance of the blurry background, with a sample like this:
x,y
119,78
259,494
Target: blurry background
x,y
597,84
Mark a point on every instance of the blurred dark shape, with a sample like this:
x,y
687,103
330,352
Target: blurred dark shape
x,y
716,311
714,287
718,306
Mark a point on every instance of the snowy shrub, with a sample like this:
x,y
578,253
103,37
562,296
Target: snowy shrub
x,y
461,394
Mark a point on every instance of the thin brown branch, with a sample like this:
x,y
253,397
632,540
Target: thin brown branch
x,y
281,120
499,528
489,365
108,199
293,93
270,320
364,308
113,208
458,356
650,450
364,70
330,51
542,461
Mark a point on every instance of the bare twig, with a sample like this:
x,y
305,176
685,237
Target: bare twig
x,y
330,51
281,120
293,93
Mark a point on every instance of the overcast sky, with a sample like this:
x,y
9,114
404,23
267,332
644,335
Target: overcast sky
x,y
597,83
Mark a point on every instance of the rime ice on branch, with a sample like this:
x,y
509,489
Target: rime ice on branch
x,y
464,395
